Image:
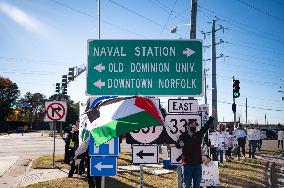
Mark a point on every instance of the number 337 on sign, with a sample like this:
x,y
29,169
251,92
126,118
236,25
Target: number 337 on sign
x,y
176,124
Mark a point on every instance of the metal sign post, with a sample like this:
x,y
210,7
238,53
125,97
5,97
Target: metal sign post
x,y
54,130
179,177
141,176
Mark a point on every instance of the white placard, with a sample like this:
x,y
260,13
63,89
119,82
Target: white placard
x,y
253,134
233,141
176,124
145,154
262,135
182,105
240,133
220,139
210,174
280,135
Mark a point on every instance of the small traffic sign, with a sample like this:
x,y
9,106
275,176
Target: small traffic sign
x,y
55,111
111,148
145,154
176,155
182,106
148,134
103,166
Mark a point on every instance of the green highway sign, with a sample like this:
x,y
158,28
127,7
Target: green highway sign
x,y
145,67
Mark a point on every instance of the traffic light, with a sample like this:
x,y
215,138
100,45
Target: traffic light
x,y
236,88
57,88
64,84
71,74
64,91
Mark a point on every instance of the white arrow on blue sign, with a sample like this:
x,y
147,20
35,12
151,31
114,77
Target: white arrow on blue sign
x,y
111,148
103,166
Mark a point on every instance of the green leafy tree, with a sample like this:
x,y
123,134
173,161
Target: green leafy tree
x,y
9,92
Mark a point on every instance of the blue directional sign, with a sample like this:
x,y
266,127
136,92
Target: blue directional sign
x,y
103,166
111,148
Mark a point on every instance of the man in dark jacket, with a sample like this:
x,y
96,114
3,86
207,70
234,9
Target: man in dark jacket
x,y
190,141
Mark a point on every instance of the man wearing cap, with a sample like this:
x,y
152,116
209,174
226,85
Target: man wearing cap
x,y
190,141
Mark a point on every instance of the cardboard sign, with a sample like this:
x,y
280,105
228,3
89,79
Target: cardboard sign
x,y
280,135
210,174
220,140
253,134
240,133
262,135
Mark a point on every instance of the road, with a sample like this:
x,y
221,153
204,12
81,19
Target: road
x,y
17,151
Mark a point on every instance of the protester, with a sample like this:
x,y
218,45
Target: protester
x,y
228,152
252,145
241,136
74,144
259,142
67,137
220,151
190,141
280,138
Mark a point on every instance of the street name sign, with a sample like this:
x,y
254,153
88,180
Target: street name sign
x,y
146,67
182,106
103,166
111,148
145,154
175,155
55,111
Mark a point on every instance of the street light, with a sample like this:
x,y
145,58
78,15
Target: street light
x,y
174,30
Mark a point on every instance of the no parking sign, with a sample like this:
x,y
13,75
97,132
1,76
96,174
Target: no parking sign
x,y
55,111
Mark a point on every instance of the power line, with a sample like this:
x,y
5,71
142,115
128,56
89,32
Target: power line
x,y
261,11
171,12
94,17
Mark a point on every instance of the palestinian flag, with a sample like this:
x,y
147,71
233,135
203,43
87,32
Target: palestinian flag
x,y
115,117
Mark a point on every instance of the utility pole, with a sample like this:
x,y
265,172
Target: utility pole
x,y
214,82
205,89
234,102
246,111
193,19
99,19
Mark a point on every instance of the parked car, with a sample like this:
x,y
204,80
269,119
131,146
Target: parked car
x,y
20,130
270,135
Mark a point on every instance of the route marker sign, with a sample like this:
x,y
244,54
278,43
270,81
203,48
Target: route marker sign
x,y
182,106
111,148
146,67
176,155
55,111
145,154
103,166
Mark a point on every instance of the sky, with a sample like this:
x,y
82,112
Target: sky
x,y
40,40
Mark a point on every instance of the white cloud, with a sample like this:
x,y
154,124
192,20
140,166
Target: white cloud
x,y
21,17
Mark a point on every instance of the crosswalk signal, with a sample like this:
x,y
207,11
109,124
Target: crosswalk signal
x,y
236,88
234,108
71,74
57,88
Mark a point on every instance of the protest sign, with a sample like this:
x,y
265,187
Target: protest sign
x,y
210,174
262,135
253,134
233,141
280,135
240,133
220,140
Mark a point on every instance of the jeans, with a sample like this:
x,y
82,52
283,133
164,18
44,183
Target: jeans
x,y
221,155
252,147
280,141
192,172
214,154
239,151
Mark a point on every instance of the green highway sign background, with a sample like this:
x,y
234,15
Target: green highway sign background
x,y
145,67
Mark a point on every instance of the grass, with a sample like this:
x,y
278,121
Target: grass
x,y
45,162
248,173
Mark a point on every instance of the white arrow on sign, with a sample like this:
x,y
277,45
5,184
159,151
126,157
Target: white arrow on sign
x,y
99,84
188,52
100,67
99,166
